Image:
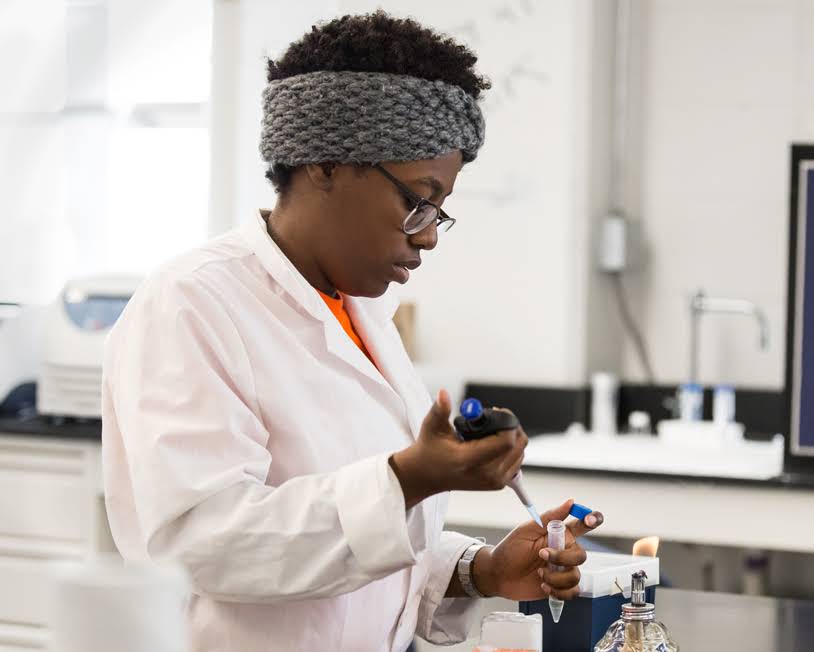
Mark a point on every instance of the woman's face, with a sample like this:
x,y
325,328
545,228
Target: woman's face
x,y
364,248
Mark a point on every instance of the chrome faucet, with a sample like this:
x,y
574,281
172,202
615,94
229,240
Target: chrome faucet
x,y
701,303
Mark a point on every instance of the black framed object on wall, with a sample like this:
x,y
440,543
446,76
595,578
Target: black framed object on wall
x,y
800,316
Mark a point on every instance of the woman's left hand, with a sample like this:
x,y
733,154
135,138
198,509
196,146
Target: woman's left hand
x,y
520,567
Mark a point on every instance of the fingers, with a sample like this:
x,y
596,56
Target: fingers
x,y
590,522
573,555
512,462
558,513
501,444
444,403
437,420
562,594
514,468
559,579
440,411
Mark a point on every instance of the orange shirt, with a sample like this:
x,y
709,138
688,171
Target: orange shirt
x,y
337,307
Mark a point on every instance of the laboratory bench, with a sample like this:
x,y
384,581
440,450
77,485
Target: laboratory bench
x,y
52,507
697,510
704,509
706,622
707,495
720,621
66,429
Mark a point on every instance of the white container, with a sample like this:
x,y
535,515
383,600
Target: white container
x,y
511,630
604,573
103,605
691,402
638,423
723,404
700,433
604,403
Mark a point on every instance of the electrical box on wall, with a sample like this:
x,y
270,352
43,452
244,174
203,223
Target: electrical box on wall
x,y
613,243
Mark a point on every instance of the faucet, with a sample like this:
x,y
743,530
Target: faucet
x,y
701,303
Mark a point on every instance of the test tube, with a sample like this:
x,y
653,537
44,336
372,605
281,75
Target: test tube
x,y
556,541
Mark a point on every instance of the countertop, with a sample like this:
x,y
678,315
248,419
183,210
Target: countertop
x,y
703,622
91,429
59,428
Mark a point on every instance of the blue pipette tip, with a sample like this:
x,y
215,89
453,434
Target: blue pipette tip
x,y
531,509
471,408
579,511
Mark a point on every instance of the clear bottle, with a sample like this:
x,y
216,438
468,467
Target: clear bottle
x,y
637,630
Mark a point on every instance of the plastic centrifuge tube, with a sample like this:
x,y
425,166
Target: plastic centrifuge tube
x,y
556,541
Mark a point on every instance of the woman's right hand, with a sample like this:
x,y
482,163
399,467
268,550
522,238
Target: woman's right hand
x,y
441,461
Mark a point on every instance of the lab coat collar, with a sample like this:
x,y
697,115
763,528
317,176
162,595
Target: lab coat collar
x,y
379,310
283,271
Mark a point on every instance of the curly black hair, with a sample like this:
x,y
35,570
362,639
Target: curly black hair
x,y
376,42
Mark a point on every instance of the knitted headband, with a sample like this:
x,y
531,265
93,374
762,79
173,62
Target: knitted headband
x,y
366,117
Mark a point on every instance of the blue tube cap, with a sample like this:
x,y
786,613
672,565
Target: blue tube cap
x,y
579,511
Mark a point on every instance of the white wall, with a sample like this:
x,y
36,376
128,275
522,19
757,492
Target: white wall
x,y
718,92
725,88
503,296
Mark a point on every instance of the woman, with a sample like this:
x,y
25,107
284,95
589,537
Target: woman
x,y
263,425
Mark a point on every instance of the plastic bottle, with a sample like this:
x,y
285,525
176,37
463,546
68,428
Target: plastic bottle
x,y
604,403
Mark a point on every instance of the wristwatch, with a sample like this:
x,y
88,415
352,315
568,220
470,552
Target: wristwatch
x,y
465,570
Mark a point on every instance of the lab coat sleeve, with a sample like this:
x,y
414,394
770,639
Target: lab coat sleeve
x,y
181,426
446,620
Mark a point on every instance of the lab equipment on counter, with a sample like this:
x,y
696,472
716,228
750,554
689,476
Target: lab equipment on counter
x,y
681,449
755,573
556,541
510,631
75,328
476,422
604,403
638,423
703,434
604,584
637,630
723,404
20,342
103,604
691,402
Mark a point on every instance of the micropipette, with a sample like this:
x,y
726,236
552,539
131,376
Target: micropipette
x,y
476,422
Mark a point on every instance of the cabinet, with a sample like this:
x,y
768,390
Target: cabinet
x,y
51,509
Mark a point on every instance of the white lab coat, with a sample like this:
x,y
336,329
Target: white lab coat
x,y
246,436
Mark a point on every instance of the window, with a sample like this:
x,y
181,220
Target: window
x,y
103,138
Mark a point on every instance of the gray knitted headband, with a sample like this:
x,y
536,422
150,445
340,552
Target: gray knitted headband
x,y
366,117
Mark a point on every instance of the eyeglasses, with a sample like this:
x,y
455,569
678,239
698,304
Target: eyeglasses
x,y
424,212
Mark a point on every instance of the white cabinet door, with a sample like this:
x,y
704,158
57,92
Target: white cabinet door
x,y
22,638
25,590
47,506
42,504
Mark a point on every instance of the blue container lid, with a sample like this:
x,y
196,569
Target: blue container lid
x,y
579,511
